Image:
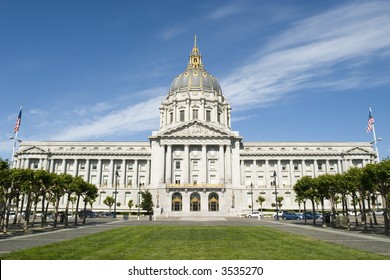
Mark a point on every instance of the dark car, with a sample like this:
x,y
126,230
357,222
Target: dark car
x,y
290,216
88,214
310,215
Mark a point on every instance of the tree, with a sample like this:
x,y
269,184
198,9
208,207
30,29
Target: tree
x,y
147,202
260,200
353,179
305,189
109,201
280,199
379,176
130,204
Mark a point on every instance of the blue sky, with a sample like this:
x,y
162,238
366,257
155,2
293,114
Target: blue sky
x,y
98,70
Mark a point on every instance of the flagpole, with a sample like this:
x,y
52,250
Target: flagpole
x,y
15,138
375,139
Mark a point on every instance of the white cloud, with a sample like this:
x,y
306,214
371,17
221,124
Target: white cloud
x,y
226,11
139,117
312,50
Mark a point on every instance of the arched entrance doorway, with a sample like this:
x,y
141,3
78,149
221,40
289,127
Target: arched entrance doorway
x,y
213,202
177,202
195,202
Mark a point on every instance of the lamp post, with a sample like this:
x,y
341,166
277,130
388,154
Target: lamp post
x,y
252,197
139,201
116,187
276,198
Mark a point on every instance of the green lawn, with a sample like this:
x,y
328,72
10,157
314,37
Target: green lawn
x,y
192,243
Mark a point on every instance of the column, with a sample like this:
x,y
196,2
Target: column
x,y
168,165
266,174
279,180
228,164
303,168
186,164
135,173
40,164
254,173
75,167
63,166
99,173
87,170
123,174
51,166
242,172
339,170
327,166
315,168
147,175
221,160
291,163
203,165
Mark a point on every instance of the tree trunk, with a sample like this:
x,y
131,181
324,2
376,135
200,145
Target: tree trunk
x,y
314,210
77,209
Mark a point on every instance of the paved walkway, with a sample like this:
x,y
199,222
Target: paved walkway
x,y
371,242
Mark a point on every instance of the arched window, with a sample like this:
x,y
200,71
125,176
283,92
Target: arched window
x,y
195,202
213,202
177,202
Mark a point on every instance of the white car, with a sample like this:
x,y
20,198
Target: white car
x,y
352,213
254,214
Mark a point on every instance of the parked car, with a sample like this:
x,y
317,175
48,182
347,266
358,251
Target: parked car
x,y
379,212
105,215
310,215
280,213
353,213
290,216
88,214
254,214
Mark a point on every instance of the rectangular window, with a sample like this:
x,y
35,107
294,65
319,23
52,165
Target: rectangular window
x,y
177,164
129,181
212,164
105,180
208,116
94,166
195,114
170,117
296,167
130,166
182,115
195,165
82,166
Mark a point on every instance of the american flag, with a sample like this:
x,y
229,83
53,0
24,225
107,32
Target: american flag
x,y
370,120
18,121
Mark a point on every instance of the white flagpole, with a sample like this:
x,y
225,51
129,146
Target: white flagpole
x,y
375,140
15,138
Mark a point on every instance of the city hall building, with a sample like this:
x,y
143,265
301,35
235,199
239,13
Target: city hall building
x,y
195,164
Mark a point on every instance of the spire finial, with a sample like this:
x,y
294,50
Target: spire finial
x,y
195,57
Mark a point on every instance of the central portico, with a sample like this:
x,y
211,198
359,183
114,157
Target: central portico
x,y
195,151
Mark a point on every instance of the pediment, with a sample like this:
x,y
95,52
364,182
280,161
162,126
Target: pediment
x,y
196,128
357,150
32,150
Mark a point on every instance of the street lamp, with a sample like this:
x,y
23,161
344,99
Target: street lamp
x,y
116,187
276,197
252,197
139,201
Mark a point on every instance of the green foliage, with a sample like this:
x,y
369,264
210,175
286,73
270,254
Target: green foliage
x,y
147,202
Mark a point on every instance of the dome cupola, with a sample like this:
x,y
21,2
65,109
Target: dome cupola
x,y
194,94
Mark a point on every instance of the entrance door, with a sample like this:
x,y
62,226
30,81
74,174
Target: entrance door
x,y
213,202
